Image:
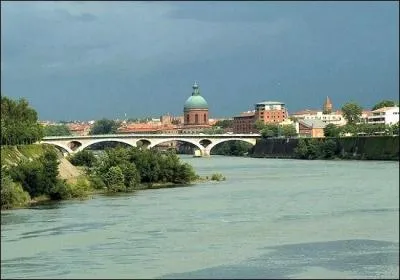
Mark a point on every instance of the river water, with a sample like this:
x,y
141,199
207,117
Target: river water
x,y
271,219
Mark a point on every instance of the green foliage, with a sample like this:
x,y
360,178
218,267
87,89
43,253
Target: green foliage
x,y
331,130
136,167
12,194
224,123
213,130
259,125
217,177
329,149
63,190
104,126
232,148
83,158
96,182
38,177
288,130
56,130
384,103
301,151
352,112
114,179
315,149
19,123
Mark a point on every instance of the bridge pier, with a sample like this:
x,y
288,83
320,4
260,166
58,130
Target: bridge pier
x,y
205,153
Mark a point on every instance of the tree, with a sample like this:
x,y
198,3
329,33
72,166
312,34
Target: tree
x,y
288,130
114,179
352,112
104,126
259,125
384,103
224,123
19,123
301,150
56,130
83,158
331,130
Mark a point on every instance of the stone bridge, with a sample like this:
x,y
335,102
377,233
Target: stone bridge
x,y
204,142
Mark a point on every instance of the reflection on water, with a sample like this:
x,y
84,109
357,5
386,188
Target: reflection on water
x,y
361,257
270,219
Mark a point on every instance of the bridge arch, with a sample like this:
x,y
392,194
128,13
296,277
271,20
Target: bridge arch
x,y
216,142
84,146
63,147
194,142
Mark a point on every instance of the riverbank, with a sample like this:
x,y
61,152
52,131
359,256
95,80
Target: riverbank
x,y
348,148
75,182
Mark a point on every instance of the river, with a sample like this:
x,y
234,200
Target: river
x,y
271,218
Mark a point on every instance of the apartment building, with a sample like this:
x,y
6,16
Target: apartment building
x,y
385,115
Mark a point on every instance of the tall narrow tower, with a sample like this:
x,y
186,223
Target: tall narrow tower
x,y
327,109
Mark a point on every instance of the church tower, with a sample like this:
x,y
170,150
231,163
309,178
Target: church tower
x,y
327,109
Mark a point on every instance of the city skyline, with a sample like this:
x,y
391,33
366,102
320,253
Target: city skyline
x,y
69,62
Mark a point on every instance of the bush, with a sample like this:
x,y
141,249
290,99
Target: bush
x,y
12,194
83,158
97,183
217,177
64,190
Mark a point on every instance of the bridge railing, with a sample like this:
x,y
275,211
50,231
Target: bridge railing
x,y
132,135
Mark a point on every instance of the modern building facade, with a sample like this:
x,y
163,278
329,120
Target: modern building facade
x,y
385,115
270,112
244,123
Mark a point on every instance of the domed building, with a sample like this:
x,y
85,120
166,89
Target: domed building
x,y
195,110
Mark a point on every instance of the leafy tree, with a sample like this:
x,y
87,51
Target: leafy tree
x,y
288,130
12,194
19,123
83,158
104,126
352,112
301,150
259,125
331,130
270,130
314,149
224,123
384,103
56,130
114,179
329,148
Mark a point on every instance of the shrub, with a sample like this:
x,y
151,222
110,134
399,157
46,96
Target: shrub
x,y
217,177
12,194
83,158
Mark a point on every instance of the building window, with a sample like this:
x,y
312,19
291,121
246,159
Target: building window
x,y
205,118
196,119
187,118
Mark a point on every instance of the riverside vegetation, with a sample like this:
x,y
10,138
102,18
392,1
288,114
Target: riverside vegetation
x,y
30,172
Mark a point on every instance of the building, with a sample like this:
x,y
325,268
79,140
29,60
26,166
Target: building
x,y
311,128
270,112
195,112
327,107
385,115
335,118
244,123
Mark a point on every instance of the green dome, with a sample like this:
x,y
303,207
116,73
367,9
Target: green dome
x,y
196,101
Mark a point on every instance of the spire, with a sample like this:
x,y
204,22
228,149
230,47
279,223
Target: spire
x,y
327,108
196,90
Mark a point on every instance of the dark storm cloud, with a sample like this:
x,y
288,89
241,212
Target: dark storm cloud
x,y
105,59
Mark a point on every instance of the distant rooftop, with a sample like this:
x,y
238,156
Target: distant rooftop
x,y
313,123
270,103
384,109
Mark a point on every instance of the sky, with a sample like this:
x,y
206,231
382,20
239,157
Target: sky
x,y
89,60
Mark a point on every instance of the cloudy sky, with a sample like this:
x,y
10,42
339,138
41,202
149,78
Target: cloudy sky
x,y
89,60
